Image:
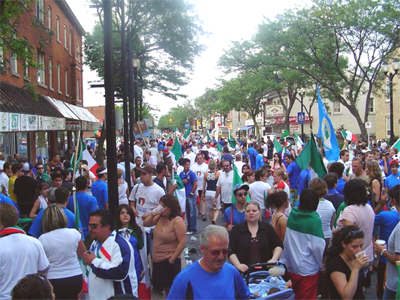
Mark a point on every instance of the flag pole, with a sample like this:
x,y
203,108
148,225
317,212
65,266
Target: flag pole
x,y
76,155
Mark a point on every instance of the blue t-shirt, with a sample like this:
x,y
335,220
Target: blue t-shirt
x,y
340,186
259,161
252,158
304,179
238,217
36,227
387,221
392,180
87,204
191,177
220,285
5,199
334,197
294,172
100,192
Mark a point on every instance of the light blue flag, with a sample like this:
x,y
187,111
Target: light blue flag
x,y
326,132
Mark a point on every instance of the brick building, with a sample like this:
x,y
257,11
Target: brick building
x,y
41,108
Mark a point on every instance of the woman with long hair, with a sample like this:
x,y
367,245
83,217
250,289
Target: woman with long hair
x,y
344,263
62,247
126,226
253,241
277,163
41,202
278,201
209,187
374,172
169,239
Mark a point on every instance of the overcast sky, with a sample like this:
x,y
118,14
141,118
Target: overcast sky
x,y
226,20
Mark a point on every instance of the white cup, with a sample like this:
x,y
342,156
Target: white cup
x,y
380,242
157,210
360,253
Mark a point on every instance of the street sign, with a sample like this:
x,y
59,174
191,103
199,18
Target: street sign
x,y
368,124
301,117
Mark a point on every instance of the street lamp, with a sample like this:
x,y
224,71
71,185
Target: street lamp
x,y
302,92
136,68
386,70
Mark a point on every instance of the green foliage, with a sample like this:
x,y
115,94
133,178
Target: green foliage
x,y
164,36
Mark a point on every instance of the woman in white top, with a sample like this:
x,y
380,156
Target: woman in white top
x,y
62,247
123,191
325,208
41,202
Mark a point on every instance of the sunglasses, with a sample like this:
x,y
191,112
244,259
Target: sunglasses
x,y
241,194
93,226
218,252
354,233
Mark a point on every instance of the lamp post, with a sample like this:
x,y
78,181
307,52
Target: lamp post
x,y
302,93
136,67
390,75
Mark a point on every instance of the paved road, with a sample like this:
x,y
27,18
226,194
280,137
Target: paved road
x,y
193,244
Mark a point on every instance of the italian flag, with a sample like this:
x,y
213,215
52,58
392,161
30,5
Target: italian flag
x,y
186,135
348,135
303,236
176,151
83,153
396,145
299,142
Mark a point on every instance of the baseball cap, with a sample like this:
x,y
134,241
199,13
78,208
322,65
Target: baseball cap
x,y
394,162
241,186
26,167
101,170
146,168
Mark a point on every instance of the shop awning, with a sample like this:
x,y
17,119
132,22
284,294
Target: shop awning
x,y
14,99
63,109
247,127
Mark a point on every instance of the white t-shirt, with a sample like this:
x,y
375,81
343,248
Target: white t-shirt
x,y
122,197
138,151
146,197
326,210
4,182
61,247
239,165
191,156
363,217
199,170
258,190
154,151
225,182
20,255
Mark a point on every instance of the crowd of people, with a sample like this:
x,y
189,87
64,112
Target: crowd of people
x,y
56,228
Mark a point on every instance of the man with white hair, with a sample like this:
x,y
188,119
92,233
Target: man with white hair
x,y
222,280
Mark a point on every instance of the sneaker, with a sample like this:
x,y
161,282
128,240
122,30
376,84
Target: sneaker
x,y
189,232
213,222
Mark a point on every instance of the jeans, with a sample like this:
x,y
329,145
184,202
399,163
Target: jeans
x,y
191,213
389,294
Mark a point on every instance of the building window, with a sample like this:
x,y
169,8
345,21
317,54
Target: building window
x,y
336,107
40,10
371,105
78,50
59,78
50,73
387,91
58,29
49,17
66,82
70,42
387,119
14,63
41,72
65,38
78,89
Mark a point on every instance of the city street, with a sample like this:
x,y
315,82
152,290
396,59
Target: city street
x,y
193,248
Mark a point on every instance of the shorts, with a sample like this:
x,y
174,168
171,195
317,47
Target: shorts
x,y
209,197
164,273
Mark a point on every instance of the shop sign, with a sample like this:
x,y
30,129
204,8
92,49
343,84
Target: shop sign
x,y
274,110
51,123
29,123
4,122
72,125
293,120
15,122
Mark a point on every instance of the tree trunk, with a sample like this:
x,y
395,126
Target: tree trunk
x,y
356,114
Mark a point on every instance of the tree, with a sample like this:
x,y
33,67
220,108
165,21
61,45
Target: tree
x,y
164,35
338,44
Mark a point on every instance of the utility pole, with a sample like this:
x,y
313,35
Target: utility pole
x,y
131,94
110,110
